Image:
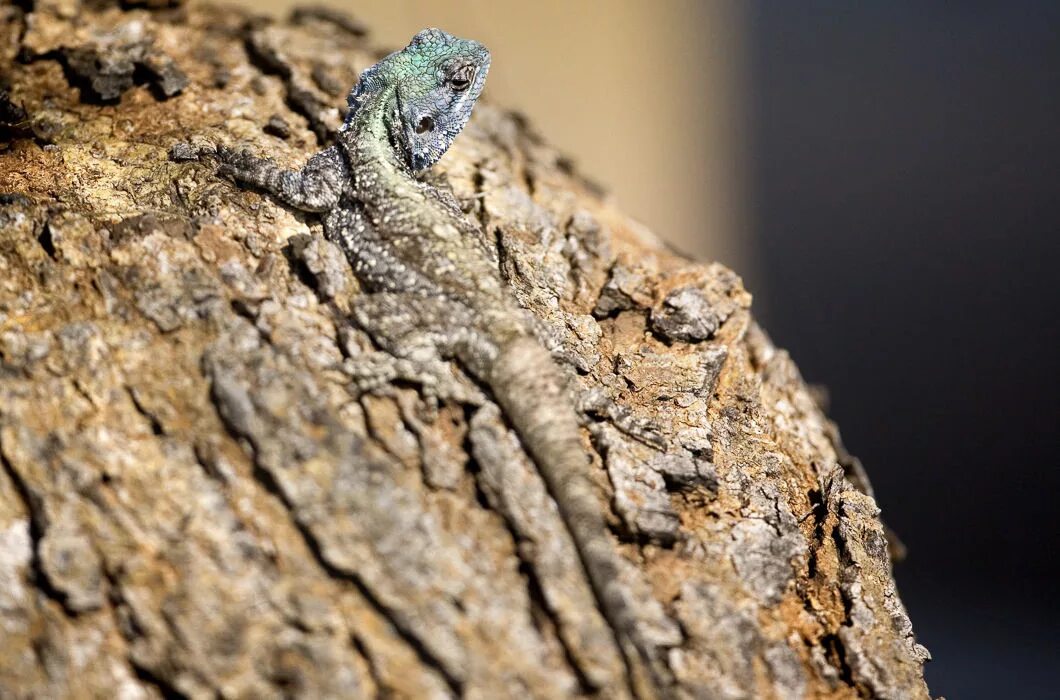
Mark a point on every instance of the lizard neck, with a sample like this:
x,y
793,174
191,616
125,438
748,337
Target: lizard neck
x,y
427,234
383,180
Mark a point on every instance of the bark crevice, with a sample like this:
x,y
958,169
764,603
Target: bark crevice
x,y
265,478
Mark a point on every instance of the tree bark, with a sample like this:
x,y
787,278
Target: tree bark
x,y
195,502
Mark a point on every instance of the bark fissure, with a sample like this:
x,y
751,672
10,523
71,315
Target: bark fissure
x,y
265,477
166,689
37,529
157,428
271,61
532,580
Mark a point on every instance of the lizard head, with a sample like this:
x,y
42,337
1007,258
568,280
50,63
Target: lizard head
x,y
438,77
437,88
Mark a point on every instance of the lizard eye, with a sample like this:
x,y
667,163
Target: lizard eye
x,y
461,79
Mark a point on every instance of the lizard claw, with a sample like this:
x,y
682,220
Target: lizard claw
x,y
186,151
231,161
183,152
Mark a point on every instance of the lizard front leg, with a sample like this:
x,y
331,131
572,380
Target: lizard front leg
x,y
317,187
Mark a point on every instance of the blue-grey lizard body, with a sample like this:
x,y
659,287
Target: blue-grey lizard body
x,y
433,278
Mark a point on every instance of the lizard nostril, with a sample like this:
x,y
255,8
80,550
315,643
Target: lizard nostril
x,y
426,124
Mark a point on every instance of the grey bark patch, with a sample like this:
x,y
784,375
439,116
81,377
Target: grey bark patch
x,y
763,559
641,498
685,314
114,63
627,288
72,565
684,471
277,126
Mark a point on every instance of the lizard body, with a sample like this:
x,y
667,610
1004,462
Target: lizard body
x,y
431,273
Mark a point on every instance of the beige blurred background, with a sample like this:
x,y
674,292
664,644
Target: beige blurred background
x,y
644,96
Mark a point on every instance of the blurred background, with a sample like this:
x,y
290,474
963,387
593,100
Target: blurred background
x,y
886,177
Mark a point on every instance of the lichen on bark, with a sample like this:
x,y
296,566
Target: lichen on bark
x,y
195,502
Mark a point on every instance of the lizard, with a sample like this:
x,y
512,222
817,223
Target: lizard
x,y
432,279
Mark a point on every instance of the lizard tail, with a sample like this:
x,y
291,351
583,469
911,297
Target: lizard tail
x,y
531,390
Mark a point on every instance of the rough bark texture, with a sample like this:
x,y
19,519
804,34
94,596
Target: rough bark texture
x,y
193,502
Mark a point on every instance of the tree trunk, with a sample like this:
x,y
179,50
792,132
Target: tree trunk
x,y
194,501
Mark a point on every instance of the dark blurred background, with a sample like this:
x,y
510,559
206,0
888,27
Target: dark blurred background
x,y
905,191
886,177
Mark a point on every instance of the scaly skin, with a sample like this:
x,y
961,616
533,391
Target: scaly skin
x,y
432,276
